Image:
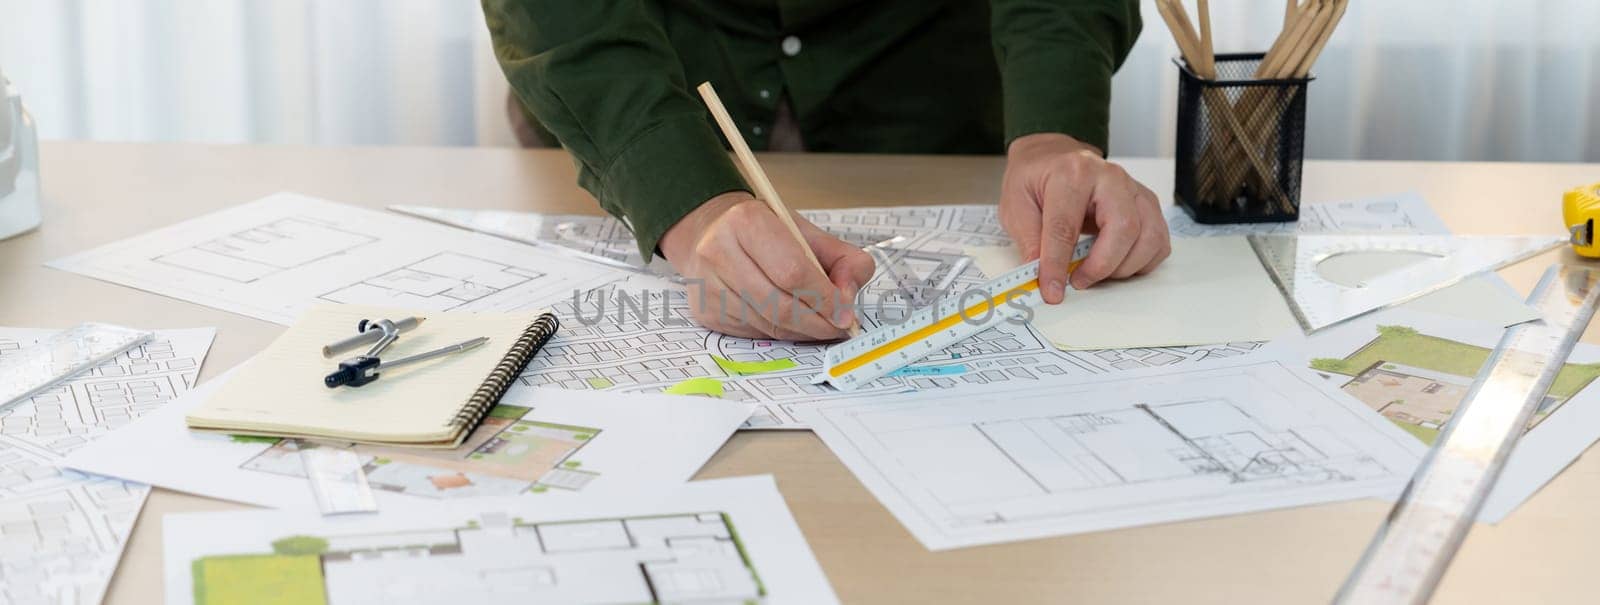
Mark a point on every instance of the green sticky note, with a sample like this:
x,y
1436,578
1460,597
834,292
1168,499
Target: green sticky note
x,y
709,387
748,368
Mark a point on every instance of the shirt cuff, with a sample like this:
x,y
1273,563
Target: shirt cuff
x,y
665,173
1066,93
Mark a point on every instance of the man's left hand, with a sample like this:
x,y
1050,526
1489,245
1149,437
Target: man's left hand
x,y
1057,187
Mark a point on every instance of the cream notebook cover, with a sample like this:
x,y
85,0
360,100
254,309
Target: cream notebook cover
x,y
434,403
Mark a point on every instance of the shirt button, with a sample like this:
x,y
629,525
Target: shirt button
x,y
791,46
765,93
756,129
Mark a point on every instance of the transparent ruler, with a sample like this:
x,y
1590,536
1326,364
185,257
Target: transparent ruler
x,y
1414,546
32,369
1317,302
955,317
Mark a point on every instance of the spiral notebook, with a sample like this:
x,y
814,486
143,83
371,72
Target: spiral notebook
x,y
433,404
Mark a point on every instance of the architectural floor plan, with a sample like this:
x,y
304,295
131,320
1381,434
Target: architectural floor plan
x,y
549,444
271,258
727,541
1415,368
506,456
966,467
61,532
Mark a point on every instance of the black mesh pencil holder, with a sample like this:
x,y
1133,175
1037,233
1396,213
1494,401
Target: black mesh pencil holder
x,y
1240,144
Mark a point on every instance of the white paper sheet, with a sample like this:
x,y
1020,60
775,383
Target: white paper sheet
x,y
541,442
272,257
62,532
981,466
1212,289
718,541
1414,368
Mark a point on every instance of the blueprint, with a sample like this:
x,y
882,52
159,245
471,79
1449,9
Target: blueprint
x,y
606,345
62,532
636,335
622,330
272,257
716,541
979,466
544,443
652,352
1415,368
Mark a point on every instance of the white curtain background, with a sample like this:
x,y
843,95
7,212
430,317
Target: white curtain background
x,y
1421,79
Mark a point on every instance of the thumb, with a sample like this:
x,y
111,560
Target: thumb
x,y
848,267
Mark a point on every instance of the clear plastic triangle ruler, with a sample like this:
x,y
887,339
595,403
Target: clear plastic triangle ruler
x,y
29,370
918,291
597,240
1318,302
1419,538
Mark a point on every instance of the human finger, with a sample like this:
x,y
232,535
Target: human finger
x,y
848,268
1117,221
1022,219
1065,202
724,303
1151,244
787,311
805,292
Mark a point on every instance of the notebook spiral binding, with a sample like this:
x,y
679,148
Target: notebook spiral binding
x,y
510,367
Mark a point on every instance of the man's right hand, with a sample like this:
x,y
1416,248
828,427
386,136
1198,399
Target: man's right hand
x,y
754,279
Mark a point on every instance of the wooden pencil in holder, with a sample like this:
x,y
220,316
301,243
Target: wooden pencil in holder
x,y
1240,143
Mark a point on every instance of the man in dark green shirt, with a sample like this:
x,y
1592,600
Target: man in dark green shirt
x,y
612,79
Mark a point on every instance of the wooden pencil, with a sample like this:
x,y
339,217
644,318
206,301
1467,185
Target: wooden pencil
x,y
757,177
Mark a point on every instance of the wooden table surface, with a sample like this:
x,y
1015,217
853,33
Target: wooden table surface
x,y
1546,552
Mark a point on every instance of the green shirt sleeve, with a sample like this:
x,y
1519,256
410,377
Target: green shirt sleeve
x,y
602,76
1056,58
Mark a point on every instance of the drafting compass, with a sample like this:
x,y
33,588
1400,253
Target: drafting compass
x,y
362,369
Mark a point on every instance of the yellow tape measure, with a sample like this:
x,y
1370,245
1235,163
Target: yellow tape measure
x,y
1580,207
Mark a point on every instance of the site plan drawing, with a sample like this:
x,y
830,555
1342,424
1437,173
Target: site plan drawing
x,y
714,541
272,257
967,466
661,350
506,456
537,442
1415,368
607,237
638,336
284,252
61,531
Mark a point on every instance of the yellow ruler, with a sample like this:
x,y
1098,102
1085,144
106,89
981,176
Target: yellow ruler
x,y
956,316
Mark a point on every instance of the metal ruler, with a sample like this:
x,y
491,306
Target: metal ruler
x,y
32,369
930,329
1317,302
1414,546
